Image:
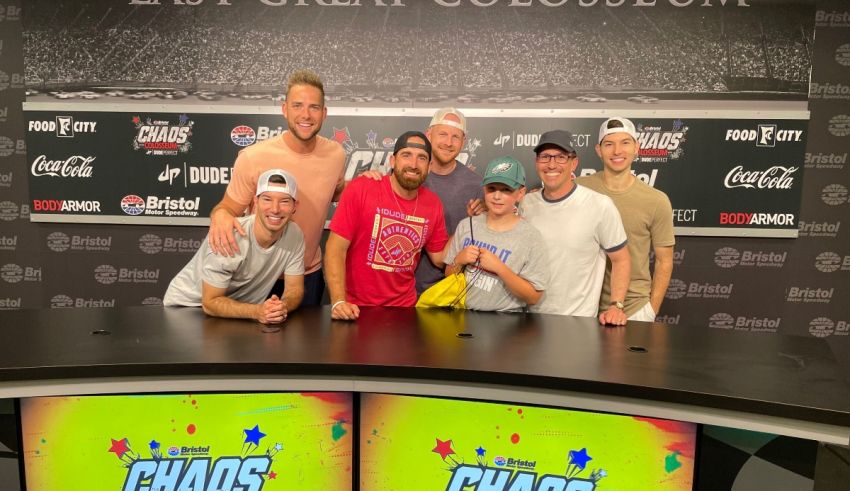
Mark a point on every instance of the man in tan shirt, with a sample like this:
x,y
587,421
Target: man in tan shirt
x,y
318,165
647,218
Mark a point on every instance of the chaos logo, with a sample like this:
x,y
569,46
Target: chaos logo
x,y
658,144
513,474
180,469
161,137
375,154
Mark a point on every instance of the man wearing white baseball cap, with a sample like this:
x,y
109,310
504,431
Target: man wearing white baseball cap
x,y
647,218
237,286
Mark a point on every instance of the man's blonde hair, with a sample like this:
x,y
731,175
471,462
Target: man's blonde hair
x,y
306,77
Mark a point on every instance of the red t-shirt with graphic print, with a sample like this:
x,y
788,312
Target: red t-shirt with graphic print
x,y
387,235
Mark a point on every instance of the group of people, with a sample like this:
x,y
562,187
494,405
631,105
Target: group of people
x,y
576,247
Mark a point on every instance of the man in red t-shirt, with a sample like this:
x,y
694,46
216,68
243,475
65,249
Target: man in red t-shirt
x,y
379,230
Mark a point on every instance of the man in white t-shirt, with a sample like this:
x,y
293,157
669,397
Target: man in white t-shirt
x,y
237,286
580,229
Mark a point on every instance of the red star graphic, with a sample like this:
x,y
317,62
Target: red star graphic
x,y
136,119
444,448
119,447
272,475
341,135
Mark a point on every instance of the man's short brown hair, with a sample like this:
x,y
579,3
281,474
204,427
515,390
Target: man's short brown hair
x,y
306,77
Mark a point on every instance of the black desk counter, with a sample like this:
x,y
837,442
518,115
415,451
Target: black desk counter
x,y
764,382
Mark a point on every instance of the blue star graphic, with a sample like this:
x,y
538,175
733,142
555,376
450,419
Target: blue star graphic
x,y
580,458
254,435
154,444
480,451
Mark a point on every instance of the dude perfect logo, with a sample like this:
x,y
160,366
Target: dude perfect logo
x,y
182,468
658,144
514,474
376,154
161,137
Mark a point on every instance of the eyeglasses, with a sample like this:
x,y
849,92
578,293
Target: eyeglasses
x,y
545,158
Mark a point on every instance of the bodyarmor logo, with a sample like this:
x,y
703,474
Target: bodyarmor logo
x,y
660,145
161,137
375,155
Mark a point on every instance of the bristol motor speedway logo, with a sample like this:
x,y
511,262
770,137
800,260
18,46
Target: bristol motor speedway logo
x,y
156,206
376,155
162,137
764,135
658,144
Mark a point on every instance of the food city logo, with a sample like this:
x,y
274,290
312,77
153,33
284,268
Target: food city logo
x,y
10,13
842,55
658,144
818,229
830,262
162,137
798,294
829,91
832,18
134,205
764,135
9,303
63,126
834,194
73,166
839,125
722,320
6,179
825,160
679,289
61,242
376,155
106,274
738,218
154,244
196,174
64,301
821,327
8,146
775,177
521,140
14,273
8,242
729,257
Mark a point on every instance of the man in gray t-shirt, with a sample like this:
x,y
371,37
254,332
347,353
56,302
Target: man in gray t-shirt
x,y
452,181
237,286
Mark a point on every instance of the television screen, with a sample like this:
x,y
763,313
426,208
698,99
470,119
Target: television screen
x,y
200,442
448,444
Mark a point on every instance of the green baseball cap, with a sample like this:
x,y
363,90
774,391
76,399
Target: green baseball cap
x,y
505,170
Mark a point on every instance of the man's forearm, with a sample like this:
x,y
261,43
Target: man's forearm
x,y
226,307
292,298
335,267
660,281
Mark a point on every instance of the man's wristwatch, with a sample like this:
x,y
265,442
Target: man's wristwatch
x,y
618,304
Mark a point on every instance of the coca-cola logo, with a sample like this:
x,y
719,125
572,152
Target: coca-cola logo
x,y
776,177
74,166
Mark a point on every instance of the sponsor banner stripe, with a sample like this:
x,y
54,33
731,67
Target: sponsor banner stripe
x,y
119,219
777,233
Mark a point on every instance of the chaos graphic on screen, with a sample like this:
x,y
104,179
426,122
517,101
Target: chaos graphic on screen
x,y
200,442
454,445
